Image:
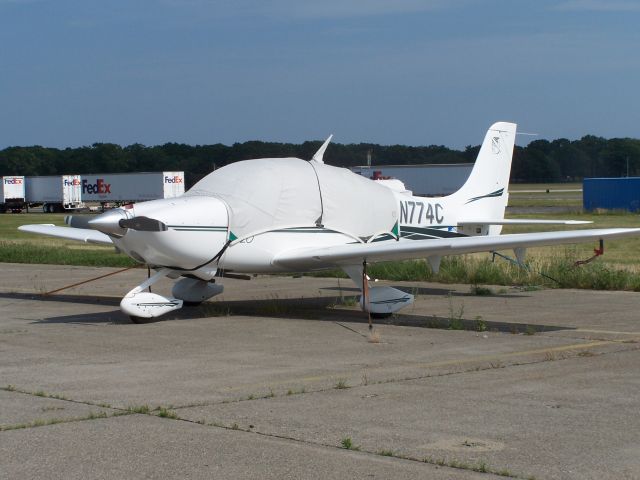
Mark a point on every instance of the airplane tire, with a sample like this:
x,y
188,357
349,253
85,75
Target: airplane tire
x,y
139,320
380,315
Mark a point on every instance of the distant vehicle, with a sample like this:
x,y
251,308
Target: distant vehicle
x,y
61,193
58,193
12,194
120,188
277,215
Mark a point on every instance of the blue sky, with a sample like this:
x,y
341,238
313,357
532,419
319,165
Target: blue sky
x,y
417,72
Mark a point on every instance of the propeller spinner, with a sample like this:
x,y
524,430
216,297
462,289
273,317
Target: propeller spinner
x,y
116,222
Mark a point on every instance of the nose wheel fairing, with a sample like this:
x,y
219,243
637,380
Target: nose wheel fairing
x,y
139,303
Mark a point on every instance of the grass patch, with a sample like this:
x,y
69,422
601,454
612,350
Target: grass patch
x,y
84,255
166,413
20,247
142,409
455,315
348,444
481,326
552,271
53,421
341,384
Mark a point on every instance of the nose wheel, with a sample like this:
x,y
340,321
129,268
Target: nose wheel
x,y
138,320
141,305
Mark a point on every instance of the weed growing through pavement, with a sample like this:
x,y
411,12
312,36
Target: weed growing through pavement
x,y
143,409
51,408
481,326
341,384
53,421
348,444
480,290
166,413
455,315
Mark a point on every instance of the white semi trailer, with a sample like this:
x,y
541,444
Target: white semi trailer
x,y
55,193
70,192
131,187
12,197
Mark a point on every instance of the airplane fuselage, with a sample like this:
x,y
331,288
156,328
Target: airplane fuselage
x,y
198,229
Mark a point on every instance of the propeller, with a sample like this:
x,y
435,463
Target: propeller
x,y
143,224
78,221
116,222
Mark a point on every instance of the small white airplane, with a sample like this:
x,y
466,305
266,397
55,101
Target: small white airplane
x,y
279,215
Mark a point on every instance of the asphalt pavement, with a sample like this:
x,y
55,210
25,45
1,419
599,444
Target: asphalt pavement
x,y
279,377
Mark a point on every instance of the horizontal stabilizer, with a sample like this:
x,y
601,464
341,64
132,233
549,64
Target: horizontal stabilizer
x,y
68,233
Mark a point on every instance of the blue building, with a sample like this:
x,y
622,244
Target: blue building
x,y
611,193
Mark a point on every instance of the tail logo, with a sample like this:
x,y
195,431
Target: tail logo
x,y
495,145
497,193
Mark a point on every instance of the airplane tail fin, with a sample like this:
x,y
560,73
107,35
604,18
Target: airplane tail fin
x,y
485,193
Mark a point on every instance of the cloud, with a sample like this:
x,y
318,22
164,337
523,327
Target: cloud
x,y
599,6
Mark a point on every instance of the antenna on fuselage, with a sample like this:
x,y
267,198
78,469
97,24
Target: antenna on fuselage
x,y
320,153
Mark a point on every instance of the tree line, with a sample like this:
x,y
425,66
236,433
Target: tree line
x,y
540,161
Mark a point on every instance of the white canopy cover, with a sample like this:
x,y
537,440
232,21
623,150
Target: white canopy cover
x,y
277,193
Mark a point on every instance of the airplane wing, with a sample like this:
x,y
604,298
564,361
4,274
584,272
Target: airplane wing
x,y
80,234
355,253
522,221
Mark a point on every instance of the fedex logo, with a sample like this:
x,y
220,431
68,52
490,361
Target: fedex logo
x,y
99,187
71,183
175,179
13,181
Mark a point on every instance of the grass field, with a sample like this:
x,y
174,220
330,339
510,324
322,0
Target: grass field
x,y
619,268
566,195
18,247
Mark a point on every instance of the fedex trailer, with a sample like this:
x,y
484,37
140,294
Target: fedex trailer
x,y
56,193
131,187
12,194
